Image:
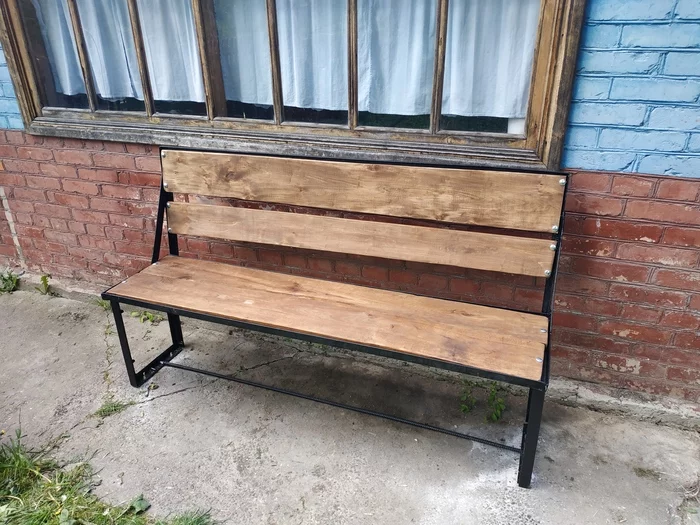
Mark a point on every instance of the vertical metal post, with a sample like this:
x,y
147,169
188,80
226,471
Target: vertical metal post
x,y
124,343
531,432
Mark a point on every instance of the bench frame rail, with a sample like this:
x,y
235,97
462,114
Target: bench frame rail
x,y
537,389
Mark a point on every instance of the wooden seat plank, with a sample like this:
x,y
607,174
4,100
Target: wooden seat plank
x,y
492,339
510,200
466,249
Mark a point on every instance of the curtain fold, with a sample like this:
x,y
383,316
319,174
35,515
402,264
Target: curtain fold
x,y
489,53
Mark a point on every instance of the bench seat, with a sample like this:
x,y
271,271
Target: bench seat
x,y
474,336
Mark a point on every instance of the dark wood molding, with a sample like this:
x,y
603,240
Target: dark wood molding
x,y
209,57
135,20
83,56
439,65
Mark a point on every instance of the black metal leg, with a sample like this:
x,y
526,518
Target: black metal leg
x,y
176,329
137,379
531,432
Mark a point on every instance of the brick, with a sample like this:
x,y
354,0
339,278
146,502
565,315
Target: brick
x,y
139,149
589,305
681,320
31,195
145,179
581,137
69,239
589,181
270,257
688,9
574,355
73,201
7,151
98,175
112,205
578,284
632,186
116,234
623,230
58,170
52,210
590,88
627,365
635,332
656,89
618,62
79,186
683,375
657,255
676,165
375,273
347,268
221,249
592,341
403,276
575,321
148,164
593,204
320,265
635,312
647,295
94,217
21,166
679,190
242,253
11,179
76,227
600,35
46,183
28,152
584,246
627,139
434,283
663,212
682,64
670,117
14,137
695,302
29,231
121,192
678,279
20,206
198,245
132,248
68,156
41,221
608,113
126,221
114,160
133,235
114,147
59,225
665,36
611,270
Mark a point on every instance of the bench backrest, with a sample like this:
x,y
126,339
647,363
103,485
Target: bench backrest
x,y
529,202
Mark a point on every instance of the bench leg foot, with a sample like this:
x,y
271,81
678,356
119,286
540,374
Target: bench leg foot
x,y
137,379
531,431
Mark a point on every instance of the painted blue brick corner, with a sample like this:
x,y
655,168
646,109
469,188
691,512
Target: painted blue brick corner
x,y
9,110
636,100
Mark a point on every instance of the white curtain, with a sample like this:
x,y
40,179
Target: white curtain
x,y
488,61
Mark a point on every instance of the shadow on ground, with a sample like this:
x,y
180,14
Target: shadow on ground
x,y
254,456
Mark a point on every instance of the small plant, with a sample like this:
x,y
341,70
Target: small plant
x,y
104,304
144,316
111,407
495,403
9,281
44,287
467,399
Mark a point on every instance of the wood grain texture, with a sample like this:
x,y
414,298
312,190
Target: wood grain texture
x,y
209,57
477,336
521,201
481,251
83,56
140,49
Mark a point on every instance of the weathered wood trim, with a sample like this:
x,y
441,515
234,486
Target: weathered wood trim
x,y
439,65
141,57
352,64
82,53
209,57
277,97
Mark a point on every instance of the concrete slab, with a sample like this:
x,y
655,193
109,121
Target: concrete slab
x,y
254,456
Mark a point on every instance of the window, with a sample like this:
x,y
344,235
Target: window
x,y
431,81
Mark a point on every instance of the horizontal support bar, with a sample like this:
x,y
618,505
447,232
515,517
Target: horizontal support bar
x,y
152,368
486,374
344,406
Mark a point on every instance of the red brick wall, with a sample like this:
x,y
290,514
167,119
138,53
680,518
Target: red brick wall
x,y
628,301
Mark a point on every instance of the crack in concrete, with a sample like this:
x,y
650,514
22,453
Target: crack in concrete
x,y
268,363
153,398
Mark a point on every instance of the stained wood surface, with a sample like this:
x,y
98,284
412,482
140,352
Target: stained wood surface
x,y
482,251
521,201
477,336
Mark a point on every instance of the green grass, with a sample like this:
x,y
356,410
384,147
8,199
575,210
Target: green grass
x,y
9,281
104,304
34,490
111,407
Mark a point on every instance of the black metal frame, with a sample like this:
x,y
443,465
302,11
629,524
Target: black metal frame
x,y
537,389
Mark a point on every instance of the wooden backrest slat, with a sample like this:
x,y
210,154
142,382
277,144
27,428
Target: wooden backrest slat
x,y
520,201
483,251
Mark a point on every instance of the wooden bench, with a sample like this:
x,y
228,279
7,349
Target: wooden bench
x,y
505,345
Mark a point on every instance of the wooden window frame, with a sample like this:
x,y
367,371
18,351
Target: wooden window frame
x,y
539,148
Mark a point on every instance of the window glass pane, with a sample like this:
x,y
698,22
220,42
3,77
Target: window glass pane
x,y
110,47
313,47
245,57
488,64
172,55
53,50
395,57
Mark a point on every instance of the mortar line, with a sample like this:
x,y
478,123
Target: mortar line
x,y
13,230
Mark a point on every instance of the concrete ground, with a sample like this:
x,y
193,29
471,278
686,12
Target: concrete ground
x,y
253,456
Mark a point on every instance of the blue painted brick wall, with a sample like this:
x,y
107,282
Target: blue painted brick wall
x,y
9,110
636,100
